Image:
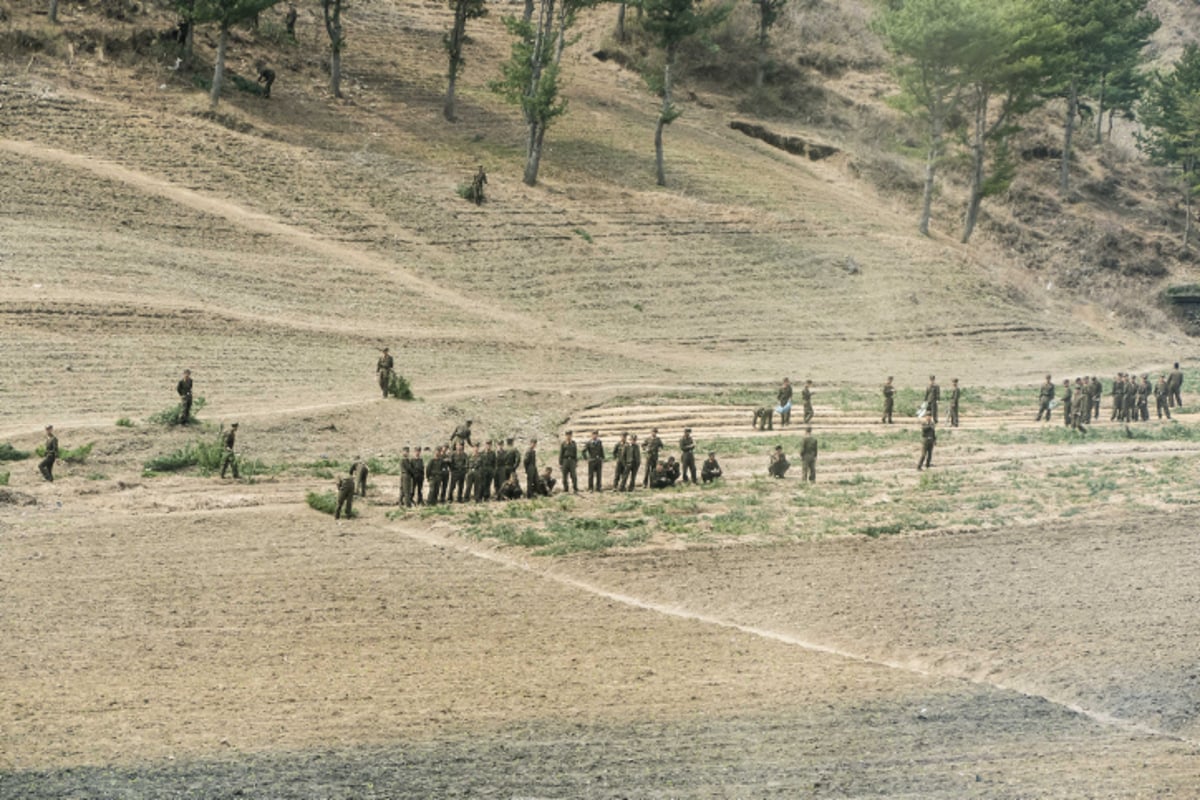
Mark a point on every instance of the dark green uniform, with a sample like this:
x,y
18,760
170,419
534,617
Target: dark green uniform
x,y
618,456
955,394
1045,398
889,402
687,457
933,394
359,471
345,498
778,465
806,398
1162,398
484,474
1174,387
1068,397
433,473
1143,399
651,448
784,396
928,440
1129,405
184,389
631,462
383,369
531,471
407,484
808,458
46,465
1118,398
593,451
459,462
710,470
229,459
568,458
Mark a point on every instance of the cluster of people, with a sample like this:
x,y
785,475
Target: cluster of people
x,y
1130,396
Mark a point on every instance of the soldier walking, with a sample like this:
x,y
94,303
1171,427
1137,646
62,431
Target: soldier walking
x,y
345,497
568,458
687,456
477,183
889,401
384,369
955,394
184,390
230,457
806,398
808,456
928,440
46,465
593,451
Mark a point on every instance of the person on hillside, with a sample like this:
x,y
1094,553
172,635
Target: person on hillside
x,y
568,458
462,435
778,465
651,449
631,459
1143,398
433,473
687,457
710,470
1118,396
1162,397
289,22
889,401
546,482
407,484
486,473
266,76
1068,397
1097,392
764,419
529,462
345,497
229,459
1129,402
1045,398
474,463
806,398
928,440
933,393
359,471
784,405
46,465
477,183
618,455
1082,406
808,456
593,451
459,461
184,390
1174,386
671,468
384,368
955,394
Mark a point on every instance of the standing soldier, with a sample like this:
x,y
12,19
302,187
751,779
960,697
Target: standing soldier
x,y
889,401
458,473
806,397
568,457
444,496
462,435
406,479
687,455
383,369
1083,404
933,393
418,473
593,451
345,497
433,472
477,183
631,458
1067,399
1097,392
531,470
358,471
928,440
230,457
1143,398
653,446
184,388
514,459
1162,397
289,22
955,393
46,465
808,456
1045,398
1129,404
1118,396
784,407
486,472
618,455
474,464
1174,385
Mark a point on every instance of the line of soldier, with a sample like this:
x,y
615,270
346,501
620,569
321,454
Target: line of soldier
x,y
1130,398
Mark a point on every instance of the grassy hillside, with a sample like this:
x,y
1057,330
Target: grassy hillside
x,y
272,246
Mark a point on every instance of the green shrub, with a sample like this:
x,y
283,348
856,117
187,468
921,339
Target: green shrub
x,y
173,462
76,456
170,416
124,422
399,388
3,479
325,502
10,453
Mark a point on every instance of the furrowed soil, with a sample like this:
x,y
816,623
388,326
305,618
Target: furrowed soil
x,y
1016,622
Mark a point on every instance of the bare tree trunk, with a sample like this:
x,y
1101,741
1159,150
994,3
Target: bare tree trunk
x,y
978,151
935,153
1064,176
527,13
621,22
1100,107
219,69
761,68
335,72
537,132
52,13
455,47
663,118
333,26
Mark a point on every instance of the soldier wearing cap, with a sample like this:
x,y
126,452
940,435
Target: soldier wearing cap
x,y
593,451
407,484
651,449
710,470
618,454
1174,386
808,456
184,390
531,469
779,464
631,461
230,457
383,369
687,456
568,458
889,401
358,472
46,465
462,434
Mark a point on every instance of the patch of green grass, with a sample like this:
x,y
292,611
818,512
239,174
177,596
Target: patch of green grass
x,y
587,237
4,479
325,502
737,523
10,453
97,476
76,456
124,422
887,529
399,388
170,416
441,510
207,455
577,534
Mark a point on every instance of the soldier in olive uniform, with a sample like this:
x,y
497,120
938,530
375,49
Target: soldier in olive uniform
x,y
808,456
531,469
345,497
672,469
784,396
1175,386
472,481
889,401
486,472
568,458
1097,393
687,456
510,489
477,183
384,368
1143,398
1129,406
1068,398
764,419
778,465
660,479
710,470
1045,398
184,390
618,456
1118,396
652,447
955,394
593,451
358,471
546,482
631,459
933,393
46,465
806,398
1162,397
418,467
928,440
433,473
459,461
407,485
229,458
1081,407
462,435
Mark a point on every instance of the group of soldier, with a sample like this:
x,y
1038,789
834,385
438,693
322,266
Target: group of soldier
x,y
1130,398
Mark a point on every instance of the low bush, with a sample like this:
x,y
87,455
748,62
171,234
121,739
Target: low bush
x,y
399,388
325,502
170,416
10,453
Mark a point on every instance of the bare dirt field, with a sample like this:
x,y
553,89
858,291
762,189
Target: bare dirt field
x,y
1017,622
